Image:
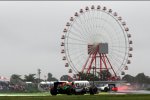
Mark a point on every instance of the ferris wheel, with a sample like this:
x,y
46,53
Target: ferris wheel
x,y
96,38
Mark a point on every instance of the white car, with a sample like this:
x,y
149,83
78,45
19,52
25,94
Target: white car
x,y
107,87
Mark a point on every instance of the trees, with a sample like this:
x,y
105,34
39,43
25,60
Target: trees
x,y
66,78
30,78
104,75
139,78
16,79
51,78
129,78
142,78
88,77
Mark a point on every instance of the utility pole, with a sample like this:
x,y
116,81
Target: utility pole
x,y
45,78
39,74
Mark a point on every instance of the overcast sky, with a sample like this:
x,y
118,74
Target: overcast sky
x,y
30,34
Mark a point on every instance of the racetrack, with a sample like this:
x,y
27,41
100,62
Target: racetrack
x,y
101,93
81,97
134,92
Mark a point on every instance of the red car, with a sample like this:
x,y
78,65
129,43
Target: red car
x,y
114,89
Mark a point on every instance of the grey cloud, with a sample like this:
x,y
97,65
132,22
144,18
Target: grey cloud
x,y
30,34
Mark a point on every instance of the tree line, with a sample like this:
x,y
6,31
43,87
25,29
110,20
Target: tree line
x,y
16,79
139,78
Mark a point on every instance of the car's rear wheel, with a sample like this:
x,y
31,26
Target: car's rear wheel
x,y
53,91
93,90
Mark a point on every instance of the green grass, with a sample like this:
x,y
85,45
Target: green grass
x,y
79,97
25,94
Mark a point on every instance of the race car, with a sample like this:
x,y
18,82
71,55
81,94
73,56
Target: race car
x,y
69,88
83,87
61,88
107,87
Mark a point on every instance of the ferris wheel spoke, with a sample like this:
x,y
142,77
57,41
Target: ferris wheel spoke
x,y
118,55
88,24
78,31
114,62
92,23
77,56
120,63
74,34
87,19
121,37
100,16
115,58
72,65
75,52
72,51
81,62
97,23
82,26
76,39
74,68
120,69
104,24
115,46
113,37
125,53
77,44
119,51
106,31
83,29
117,32
75,48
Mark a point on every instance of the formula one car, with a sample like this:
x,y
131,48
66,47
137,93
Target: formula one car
x,y
77,88
107,87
